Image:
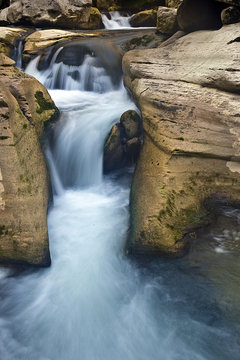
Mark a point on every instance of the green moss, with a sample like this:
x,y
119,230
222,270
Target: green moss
x,y
25,126
44,104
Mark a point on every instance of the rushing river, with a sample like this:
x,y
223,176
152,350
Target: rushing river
x,y
94,303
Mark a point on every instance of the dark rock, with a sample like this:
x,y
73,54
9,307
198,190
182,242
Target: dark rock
x,y
195,15
131,124
230,15
123,143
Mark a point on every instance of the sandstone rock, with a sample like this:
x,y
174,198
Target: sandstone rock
x,y
173,3
8,36
167,20
25,106
191,116
71,14
123,143
195,15
3,17
45,38
230,15
147,18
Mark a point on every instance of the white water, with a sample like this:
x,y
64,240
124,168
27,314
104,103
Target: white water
x,y
93,303
116,21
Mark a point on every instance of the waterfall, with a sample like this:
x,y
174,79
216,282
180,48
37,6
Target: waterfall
x,y
17,52
93,303
116,21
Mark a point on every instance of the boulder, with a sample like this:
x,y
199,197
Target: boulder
x,y
230,15
123,143
146,18
167,20
70,14
8,36
195,15
25,106
191,116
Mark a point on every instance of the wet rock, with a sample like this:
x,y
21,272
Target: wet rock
x,y
8,36
147,41
167,20
195,15
69,14
191,115
42,39
131,124
230,15
113,150
147,18
95,19
123,143
25,106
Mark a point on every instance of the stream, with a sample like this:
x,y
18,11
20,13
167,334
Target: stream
x,y
94,303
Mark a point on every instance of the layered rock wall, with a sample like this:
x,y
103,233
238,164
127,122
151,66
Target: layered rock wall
x,y
188,92
25,106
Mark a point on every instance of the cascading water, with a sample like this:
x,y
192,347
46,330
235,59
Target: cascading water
x,y
93,303
116,21
17,52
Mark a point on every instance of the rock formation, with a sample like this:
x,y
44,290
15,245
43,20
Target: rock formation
x,y
188,93
25,106
70,14
8,36
124,142
167,20
146,18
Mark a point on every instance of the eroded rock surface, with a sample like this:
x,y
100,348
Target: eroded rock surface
x,y
25,106
189,95
167,20
8,36
70,14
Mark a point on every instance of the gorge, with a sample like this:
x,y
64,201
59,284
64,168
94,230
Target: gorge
x,y
95,302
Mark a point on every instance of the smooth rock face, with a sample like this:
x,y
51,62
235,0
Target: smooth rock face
x,y
191,116
147,18
124,142
25,106
195,15
71,14
42,39
167,20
